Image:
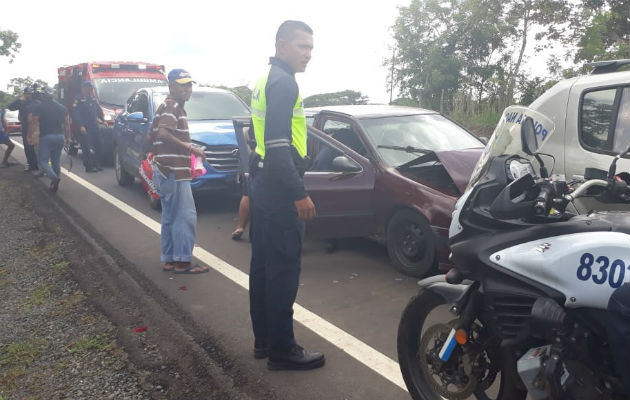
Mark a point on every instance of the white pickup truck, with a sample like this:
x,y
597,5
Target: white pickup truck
x,y
591,114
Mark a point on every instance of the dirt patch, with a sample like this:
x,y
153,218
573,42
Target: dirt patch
x,y
80,322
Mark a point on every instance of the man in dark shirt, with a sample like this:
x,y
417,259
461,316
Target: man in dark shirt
x,y
51,118
23,104
6,140
279,203
87,113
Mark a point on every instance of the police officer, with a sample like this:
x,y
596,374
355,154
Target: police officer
x,y
87,113
24,104
279,203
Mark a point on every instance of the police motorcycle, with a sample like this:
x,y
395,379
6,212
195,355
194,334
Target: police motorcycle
x,y
524,310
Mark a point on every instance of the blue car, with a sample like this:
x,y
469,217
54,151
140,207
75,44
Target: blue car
x,y
210,112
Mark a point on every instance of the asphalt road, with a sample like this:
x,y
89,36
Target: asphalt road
x,y
355,288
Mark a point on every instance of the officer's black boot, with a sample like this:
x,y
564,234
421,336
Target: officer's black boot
x,y
297,358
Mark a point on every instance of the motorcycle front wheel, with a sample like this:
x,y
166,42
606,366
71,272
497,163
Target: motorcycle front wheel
x,y
485,372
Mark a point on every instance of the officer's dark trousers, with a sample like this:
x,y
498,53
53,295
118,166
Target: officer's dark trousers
x,y
276,236
29,152
92,148
618,326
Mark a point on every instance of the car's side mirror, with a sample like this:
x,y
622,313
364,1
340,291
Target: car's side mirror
x,y
345,164
483,139
137,116
529,141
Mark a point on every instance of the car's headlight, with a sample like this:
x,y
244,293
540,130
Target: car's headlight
x,y
517,168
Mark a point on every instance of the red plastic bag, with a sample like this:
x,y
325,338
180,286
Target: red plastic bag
x,y
146,176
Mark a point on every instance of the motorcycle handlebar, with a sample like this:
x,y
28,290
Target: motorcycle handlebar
x,y
545,194
584,187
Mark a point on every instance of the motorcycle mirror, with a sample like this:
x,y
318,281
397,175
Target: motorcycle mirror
x,y
613,166
529,141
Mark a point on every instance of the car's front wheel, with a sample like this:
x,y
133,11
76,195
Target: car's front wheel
x,y
411,243
123,177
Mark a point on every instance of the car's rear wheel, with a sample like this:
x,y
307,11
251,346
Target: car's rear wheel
x,y
411,243
123,177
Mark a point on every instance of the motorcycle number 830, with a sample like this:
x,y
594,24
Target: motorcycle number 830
x,y
601,270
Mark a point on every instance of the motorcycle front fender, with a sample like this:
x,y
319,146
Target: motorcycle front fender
x,y
451,294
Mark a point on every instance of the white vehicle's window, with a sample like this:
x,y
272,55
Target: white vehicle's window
x,y
395,137
209,105
622,127
597,116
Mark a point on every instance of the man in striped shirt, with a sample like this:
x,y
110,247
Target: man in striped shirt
x,y
172,147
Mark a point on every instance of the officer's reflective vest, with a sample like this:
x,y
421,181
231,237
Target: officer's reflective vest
x,y
259,110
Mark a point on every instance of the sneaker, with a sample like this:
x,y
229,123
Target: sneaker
x,y
54,185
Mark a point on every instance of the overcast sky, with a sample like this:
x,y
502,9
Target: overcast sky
x,y
220,42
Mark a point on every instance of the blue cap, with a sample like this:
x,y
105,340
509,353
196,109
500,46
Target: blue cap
x,y
87,84
180,76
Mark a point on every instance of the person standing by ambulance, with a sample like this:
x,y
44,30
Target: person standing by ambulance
x,y
279,203
24,104
87,114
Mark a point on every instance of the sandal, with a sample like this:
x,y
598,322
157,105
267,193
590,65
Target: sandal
x,y
189,270
237,234
168,267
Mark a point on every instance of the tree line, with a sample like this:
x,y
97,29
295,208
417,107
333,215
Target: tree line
x,y
466,57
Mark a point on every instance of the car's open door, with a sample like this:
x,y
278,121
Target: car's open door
x,y
341,184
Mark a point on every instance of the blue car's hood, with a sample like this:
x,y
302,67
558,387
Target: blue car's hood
x,y
214,132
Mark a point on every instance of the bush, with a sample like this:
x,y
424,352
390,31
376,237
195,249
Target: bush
x,y
482,124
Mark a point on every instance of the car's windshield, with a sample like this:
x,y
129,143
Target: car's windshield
x,y
209,105
116,91
506,138
399,139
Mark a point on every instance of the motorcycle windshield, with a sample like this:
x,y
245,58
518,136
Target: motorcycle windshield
x,y
506,138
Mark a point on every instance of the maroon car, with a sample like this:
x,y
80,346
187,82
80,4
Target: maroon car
x,y
392,173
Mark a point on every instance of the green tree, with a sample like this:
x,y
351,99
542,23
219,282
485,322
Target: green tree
x,y
9,45
601,30
16,85
464,53
335,99
244,93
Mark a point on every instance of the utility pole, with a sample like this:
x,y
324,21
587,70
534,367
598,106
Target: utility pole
x,y
391,76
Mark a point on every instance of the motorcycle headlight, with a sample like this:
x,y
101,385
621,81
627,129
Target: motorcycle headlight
x,y
517,168
108,117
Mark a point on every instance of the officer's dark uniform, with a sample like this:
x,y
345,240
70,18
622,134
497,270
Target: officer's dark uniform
x,y
276,232
85,112
24,107
618,326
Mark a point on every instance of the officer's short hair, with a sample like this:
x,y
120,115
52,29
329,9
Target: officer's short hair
x,y
287,28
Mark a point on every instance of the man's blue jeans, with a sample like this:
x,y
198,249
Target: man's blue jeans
x,y
179,217
50,147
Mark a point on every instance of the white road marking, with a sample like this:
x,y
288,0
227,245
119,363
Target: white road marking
x,y
362,352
